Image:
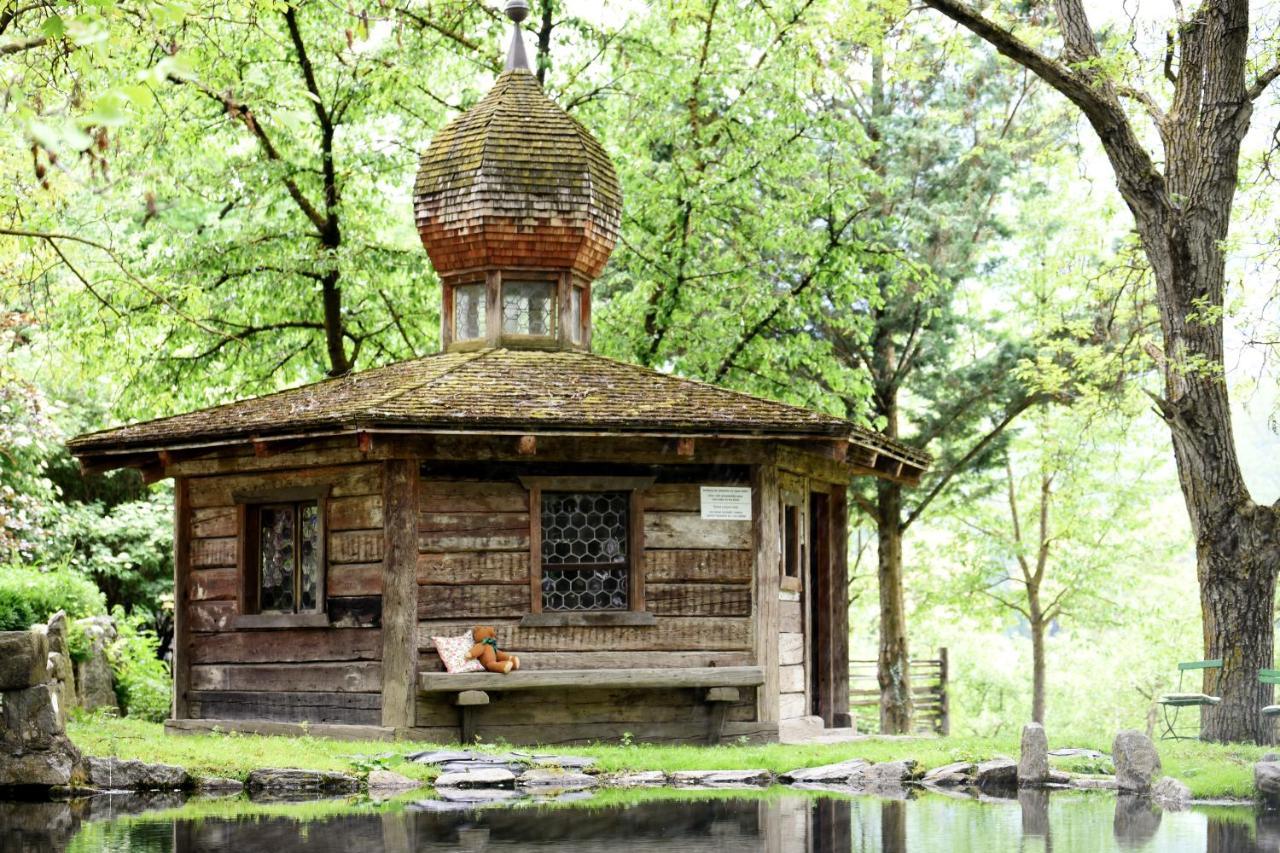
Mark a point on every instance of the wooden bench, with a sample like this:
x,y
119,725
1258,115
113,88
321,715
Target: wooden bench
x,y
471,689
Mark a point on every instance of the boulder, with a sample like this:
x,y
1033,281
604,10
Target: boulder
x,y
219,785
293,781
31,718
889,774
56,764
828,774
1171,795
1033,758
95,688
24,659
996,773
1266,779
1137,762
949,775
386,780
546,779
480,777
117,774
722,778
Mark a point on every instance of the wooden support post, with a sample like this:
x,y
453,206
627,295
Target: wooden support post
x,y
839,607
399,591
181,596
719,698
768,559
944,699
467,701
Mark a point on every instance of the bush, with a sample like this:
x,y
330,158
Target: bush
x,y
29,595
141,678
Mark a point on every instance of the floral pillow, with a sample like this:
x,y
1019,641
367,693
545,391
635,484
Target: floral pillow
x,y
453,651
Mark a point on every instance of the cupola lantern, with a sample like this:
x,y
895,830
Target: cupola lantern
x,y
518,207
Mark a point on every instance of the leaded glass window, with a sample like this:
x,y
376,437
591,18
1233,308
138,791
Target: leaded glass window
x,y
288,557
529,307
585,553
576,297
468,312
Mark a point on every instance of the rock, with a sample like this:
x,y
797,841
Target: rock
x,y
889,774
63,681
1058,777
1266,779
559,780
722,778
24,659
642,779
94,685
956,773
1171,795
218,785
1076,752
1093,783
31,718
568,762
385,780
442,756
1137,762
116,774
996,773
481,777
54,765
1033,757
302,781
828,774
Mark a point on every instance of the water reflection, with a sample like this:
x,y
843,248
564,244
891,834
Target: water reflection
x,y
654,822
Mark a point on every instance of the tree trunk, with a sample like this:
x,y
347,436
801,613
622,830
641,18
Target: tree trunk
x,y
893,670
1038,628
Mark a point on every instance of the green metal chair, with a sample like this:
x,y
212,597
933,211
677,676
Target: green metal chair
x,y
1173,703
1270,676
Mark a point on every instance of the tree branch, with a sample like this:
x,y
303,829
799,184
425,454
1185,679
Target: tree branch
x,y
1264,80
24,44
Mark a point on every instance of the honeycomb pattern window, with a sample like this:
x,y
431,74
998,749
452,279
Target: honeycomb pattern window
x,y
586,562
468,312
529,308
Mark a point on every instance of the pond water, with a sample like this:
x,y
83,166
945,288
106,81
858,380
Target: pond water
x,y
651,821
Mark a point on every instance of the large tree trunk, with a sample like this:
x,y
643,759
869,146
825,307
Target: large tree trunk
x,y
1038,627
893,670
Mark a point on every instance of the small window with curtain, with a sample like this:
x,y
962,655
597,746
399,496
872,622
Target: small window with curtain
x,y
284,559
529,308
469,312
586,559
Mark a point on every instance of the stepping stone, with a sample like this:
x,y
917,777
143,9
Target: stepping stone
x,y
555,779
641,779
827,774
115,774
468,766
490,777
386,780
956,773
722,778
996,773
889,774
441,756
292,780
219,785
569,762
1093,783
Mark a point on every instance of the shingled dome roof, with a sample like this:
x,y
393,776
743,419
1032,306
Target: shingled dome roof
x,y
517,177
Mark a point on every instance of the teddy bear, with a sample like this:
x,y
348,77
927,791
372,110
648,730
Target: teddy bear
x,y
486,651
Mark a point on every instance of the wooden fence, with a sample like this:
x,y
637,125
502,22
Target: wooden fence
x,y
928,690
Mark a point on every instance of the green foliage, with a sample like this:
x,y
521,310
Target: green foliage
x,y
127,549
142,679
29,595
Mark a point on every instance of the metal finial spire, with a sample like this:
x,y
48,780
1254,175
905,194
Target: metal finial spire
x,y
517,11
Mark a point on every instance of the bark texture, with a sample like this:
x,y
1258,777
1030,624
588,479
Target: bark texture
x,y
1182,212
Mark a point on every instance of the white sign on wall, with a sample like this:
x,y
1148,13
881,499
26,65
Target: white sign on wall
x,y
726,503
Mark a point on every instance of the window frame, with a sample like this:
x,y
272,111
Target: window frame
x,y
483,287
792,548
248,508
635,614
553,287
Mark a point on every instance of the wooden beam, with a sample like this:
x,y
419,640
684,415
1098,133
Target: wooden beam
x,y
182,596
364,441
768,557
839,607
527,445
684,446
593,679
399,591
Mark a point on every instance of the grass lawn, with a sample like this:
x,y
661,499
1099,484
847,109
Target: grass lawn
x,y
1210,770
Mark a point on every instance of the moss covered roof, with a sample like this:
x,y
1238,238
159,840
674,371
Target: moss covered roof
x,y
498,390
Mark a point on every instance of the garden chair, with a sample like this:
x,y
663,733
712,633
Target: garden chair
x,y
1270,676
1173,703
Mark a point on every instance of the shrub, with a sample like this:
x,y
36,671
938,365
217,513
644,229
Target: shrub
x,y
141,677
29,595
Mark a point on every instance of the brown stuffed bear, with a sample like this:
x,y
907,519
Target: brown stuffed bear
x,y
486,651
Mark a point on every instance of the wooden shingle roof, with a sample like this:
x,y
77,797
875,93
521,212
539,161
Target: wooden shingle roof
x,y
499,390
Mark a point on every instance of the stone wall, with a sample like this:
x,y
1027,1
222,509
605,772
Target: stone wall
x,y
34,749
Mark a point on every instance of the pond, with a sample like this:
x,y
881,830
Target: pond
x,y
664,820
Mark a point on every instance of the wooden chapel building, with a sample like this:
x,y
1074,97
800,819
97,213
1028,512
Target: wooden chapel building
x,y
667,557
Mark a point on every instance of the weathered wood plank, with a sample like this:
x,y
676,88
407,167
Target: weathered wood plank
x,y
689,530
839,606
480,601
698,566
452,496
768,560
213,553
492,567
790,649
791,679
359,677
356,546
618,707
335,731
672,497
400,591
699,599
182,515
585,733
362,512
348,708
212,522
669,634
213,585
533,661
473,531
211,616
594,679
355,579
502,541
791,617
343,480
300,645
361,611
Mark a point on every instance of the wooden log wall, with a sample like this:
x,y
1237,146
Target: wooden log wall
x,y
318,675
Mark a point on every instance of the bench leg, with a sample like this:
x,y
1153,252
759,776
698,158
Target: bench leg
x,y
719,698
467,702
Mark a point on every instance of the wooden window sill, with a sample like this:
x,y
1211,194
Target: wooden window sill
x,y
282,620
617,619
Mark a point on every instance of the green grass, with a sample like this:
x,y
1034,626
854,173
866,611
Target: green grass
x,y
1212,771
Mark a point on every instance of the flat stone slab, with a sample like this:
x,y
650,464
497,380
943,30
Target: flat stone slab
x,y
478,795
115,774
568,762
442,756
1093,783
722,778
468,766
996,773
955,773
889,774
218,785
1073,752
828,774
292,780
547,779
386,780
641,779
487,777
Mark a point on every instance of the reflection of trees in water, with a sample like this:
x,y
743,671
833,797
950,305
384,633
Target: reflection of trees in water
x,y
1258,835
893,826
1034,803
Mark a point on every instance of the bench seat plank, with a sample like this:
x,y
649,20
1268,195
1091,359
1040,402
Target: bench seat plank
x,y
593,679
